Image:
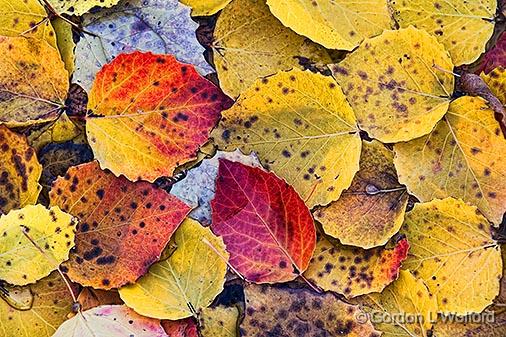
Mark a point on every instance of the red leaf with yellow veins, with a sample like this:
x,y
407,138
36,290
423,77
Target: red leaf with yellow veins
x,y
150,114
123,226
267,228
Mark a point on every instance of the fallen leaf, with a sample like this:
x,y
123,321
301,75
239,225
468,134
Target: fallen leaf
x,y
267,229
494,57
372,209
198,187
219,322
20,172
79,7
453,252
335,24
181,328
462,27
48,304
158,26
354,271
462,157
65,42
403,309
34,242
282,311
496,81
33,81
188,280
91,298
205,7
150,114
495,327
399,84
249,42
61,130
110,321
301,127
123,226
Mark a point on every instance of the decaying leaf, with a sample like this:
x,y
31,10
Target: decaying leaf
x,y
150,114
494,57
181,328
335,24
453,252
371,211
463,157
90,298
123,226
205,7
48,304
301,127
33,81
79,7
282,311
399,84
496,81
110,321
34,242
354,271
219,322
20,172
407,308
249,42
158,26
463,27
266,227
187,281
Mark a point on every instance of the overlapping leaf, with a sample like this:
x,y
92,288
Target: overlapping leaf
x,y
463,157
301,127
399,84
371,211
219,322
150,114
187,281
494,57
181,328
249,42
79,7
205,7
123,228
266,227
496,81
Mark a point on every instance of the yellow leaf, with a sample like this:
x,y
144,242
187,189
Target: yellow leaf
x,y
65,42
61,130
463,157
453,252
335,24
33,81
186,281
405,299
396,85
496,81
48,302
493,325
79,7
219,322
20,172
371,211
301,127
249,42
205,7
27,18
463,27
51,230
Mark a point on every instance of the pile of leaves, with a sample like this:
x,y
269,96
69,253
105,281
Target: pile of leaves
x,y
225,168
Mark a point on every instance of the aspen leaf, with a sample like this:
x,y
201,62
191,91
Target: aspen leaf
x,y
91,298
463,27
406,296
123,226
61,130
399,84
20,172
205,7
79,7
453,252
496,81
188,280
158,26
219,322
65,42
51,230
150,114
266,227
372,209
110,321
354,271
493,326
249,42
301,127
299,312
48,302
463,157
335,24
181,328
33,81
495,57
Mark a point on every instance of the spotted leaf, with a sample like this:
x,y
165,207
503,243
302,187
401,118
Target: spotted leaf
x,y
79,7
219,321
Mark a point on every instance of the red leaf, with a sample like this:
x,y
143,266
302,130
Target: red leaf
x,y
181,328
495,57
267,228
